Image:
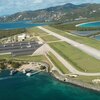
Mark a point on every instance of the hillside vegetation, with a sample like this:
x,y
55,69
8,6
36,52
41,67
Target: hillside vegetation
x,y
63,13
8,33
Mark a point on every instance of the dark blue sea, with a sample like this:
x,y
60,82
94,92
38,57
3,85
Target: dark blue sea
x,y
41,87
18,25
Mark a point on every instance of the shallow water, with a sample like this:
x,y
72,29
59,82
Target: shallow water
x,y
90,24
41,87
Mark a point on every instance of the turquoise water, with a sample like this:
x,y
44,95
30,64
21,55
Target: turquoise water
x,y
41,87
90,24
17,25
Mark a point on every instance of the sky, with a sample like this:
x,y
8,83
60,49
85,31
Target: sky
x,y
8,7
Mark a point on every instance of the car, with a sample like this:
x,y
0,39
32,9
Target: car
x,y
29,46
12,44
4,45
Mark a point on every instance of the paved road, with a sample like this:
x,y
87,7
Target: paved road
x,y
19,48
87,49
68,65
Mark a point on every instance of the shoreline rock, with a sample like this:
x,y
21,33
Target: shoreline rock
x,y
76,83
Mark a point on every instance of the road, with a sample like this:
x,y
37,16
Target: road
x,y
85,48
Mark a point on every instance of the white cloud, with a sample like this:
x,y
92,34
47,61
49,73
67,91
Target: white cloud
x,y
37,1
13,6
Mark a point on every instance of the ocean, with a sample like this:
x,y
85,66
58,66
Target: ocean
x,y
41,87
90,24
18,25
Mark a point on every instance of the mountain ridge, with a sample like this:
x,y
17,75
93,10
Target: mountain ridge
x,y
66,12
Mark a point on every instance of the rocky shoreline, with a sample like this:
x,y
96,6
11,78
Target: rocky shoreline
x,y
56,75
75,82
28,68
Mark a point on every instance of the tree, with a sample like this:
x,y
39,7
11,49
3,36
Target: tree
x,y
2,66
15,64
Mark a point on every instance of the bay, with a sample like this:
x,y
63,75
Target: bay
x,y
90,24
18,25
41,87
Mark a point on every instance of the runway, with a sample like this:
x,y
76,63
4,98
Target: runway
x,y
85,48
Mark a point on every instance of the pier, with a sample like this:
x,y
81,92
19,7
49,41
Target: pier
x,y
31,74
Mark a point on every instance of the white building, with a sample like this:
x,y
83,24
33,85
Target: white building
x,y
23,36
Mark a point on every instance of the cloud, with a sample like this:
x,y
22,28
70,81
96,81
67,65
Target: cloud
x,y
37,1
13,6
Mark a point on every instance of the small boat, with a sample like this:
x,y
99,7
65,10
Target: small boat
x,y
32,73
28,74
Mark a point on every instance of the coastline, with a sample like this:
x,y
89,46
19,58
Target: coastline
x,y
67,80
57,74
86,23
76,83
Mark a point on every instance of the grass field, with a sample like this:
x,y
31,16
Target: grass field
x,y
36,31
8,33
85,40
45,36
49,38
58,64
87,79
24,58
76,57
